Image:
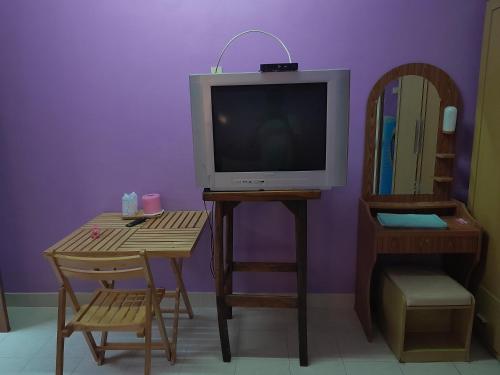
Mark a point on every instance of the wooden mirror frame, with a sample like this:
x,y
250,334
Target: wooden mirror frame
x,y
445,149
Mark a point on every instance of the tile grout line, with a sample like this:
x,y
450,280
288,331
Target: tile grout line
x,y
341,356
32,356
456,368
288,326
288,352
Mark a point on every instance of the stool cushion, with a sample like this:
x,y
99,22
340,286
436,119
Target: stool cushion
x,y
423,287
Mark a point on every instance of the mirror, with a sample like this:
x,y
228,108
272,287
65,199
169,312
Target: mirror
x,y
406,134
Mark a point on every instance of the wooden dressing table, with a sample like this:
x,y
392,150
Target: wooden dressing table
x,y
459,244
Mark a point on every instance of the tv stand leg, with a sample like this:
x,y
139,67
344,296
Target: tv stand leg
x,y
299,210
228,279
219,281
301,244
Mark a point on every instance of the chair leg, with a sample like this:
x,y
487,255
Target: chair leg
x,y
104,334
163,331
147,354
60,327
102,354
154,304
175,327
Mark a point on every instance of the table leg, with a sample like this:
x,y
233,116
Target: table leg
x,y
175,327
176,265
301,248
4,317
219,281
228,284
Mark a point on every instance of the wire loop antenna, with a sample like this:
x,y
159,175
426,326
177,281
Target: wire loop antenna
x,y
248,32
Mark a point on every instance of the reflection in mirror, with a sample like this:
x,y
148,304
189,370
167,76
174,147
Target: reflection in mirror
x,y
406,137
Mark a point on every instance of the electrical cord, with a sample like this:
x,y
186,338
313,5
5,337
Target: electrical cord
x,y
248,32
211,213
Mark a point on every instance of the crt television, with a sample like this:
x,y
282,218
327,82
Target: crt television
x,y
267,131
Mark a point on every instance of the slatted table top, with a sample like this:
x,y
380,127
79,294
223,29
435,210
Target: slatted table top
x,y
174,234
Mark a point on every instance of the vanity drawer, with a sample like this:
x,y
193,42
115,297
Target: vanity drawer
x,y
422,244
459,244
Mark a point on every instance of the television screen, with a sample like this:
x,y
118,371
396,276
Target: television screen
x,y
272,127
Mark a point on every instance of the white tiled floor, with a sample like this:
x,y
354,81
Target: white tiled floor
x,y
262,342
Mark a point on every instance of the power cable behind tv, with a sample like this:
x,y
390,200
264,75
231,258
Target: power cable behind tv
x,y
277,67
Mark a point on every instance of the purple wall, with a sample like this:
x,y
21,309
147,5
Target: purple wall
x,y
94,101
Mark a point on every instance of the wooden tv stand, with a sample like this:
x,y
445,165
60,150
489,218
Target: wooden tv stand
x,y
225,266
460,244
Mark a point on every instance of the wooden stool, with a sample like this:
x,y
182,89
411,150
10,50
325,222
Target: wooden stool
x,y
425,316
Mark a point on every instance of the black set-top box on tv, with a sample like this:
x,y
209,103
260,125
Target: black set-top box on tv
x,y
280,67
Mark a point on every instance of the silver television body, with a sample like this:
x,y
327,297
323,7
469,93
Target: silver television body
x,y
337,130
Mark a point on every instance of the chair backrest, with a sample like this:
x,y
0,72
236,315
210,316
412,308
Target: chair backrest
x,y
101,269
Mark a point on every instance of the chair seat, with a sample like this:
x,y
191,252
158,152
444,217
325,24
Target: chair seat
x,y
114,310
429,288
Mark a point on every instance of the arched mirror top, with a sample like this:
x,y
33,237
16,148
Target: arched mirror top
x,y
408,155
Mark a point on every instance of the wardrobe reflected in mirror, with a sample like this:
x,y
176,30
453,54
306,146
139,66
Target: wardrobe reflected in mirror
x,y
407,126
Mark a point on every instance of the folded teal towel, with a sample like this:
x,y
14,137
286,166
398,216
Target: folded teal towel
x,y
411,221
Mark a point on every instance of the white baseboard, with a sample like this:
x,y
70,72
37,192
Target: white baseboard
x,y
198,299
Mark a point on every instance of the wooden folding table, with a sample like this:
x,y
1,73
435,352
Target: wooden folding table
x,y
172,235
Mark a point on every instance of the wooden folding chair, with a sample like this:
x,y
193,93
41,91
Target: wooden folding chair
x,y
109,309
